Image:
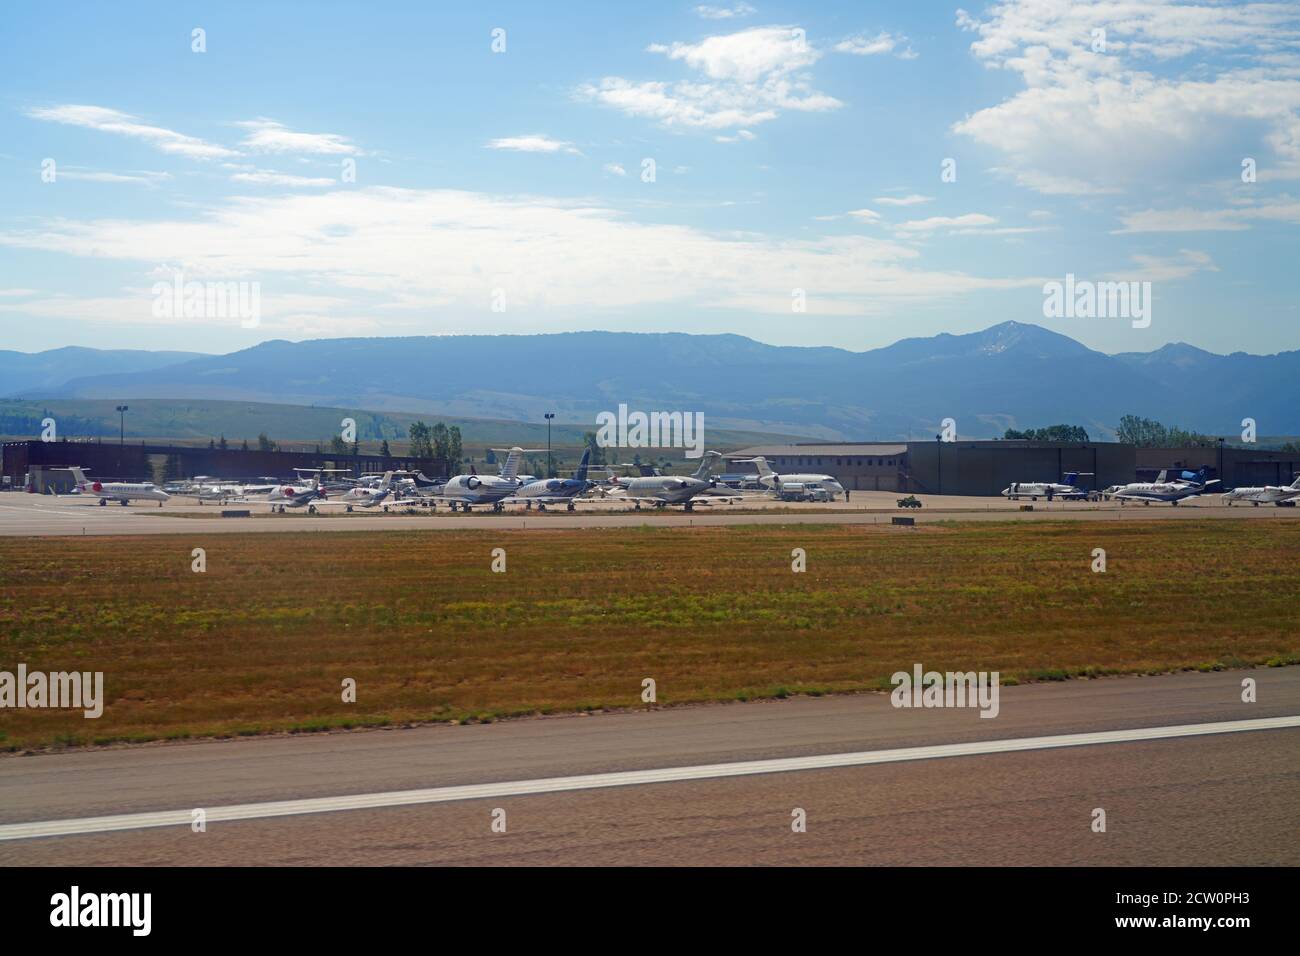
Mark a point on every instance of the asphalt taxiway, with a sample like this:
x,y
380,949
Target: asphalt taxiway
x,y
1186,773
24,515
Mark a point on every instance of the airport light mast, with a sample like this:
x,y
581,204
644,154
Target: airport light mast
x,y
121,424
550,467
938,457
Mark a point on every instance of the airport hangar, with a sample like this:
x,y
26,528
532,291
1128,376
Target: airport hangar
x,y
986,467
112,461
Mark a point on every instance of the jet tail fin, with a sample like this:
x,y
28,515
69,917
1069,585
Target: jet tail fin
x,y
581,473
511,468
710,458
764,469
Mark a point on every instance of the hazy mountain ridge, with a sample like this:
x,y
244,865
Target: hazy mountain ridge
x,y
1009,375
33,373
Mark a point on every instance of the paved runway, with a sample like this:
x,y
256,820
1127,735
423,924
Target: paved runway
x,y
1213,798
23,515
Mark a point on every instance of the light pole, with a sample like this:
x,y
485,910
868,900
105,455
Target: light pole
x,y
550,467
938,458
121,433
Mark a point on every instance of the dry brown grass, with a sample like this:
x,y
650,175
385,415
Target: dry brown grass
x,y
262,641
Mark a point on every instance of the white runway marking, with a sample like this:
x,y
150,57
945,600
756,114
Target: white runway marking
x,y
516,788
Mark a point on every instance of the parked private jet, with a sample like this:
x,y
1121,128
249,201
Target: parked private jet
x,y
554,491
1187,485
122,492
795,485
1279,495
465,491
1033,490
663,490
365,497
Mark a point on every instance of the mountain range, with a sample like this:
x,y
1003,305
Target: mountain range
x,y
1009,375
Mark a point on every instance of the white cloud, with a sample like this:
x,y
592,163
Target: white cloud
x,y
865,215
745,78
1187,263
1179,92
17,293
742,135
945,222
749,56
911,200
615,169
724,13
268,136
1185,219
883,42
371,250
267,177
532,143
139,177
123,124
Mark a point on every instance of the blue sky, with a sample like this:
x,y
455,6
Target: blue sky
x,y
795,147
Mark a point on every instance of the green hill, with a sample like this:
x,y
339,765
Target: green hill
x,y
293,427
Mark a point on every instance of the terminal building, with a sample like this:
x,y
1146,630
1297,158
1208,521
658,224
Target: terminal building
x,y
978,468
39,463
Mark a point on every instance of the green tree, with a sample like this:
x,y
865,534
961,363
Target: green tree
x,y
383,449
455,451
223,446
1064,433
421,443
1146,433
441,441
265,444
338,446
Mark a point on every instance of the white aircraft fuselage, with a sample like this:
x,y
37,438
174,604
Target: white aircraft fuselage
x,y
122,491
1264,495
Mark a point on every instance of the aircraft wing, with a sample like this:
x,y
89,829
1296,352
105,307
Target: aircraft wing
x,y
540,499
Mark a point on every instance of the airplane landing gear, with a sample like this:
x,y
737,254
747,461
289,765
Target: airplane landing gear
x,y
102,502
122,502
571,506
311,509
498,507
689,506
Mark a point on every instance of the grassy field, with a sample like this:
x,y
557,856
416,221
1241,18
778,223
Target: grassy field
x,y
263,639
